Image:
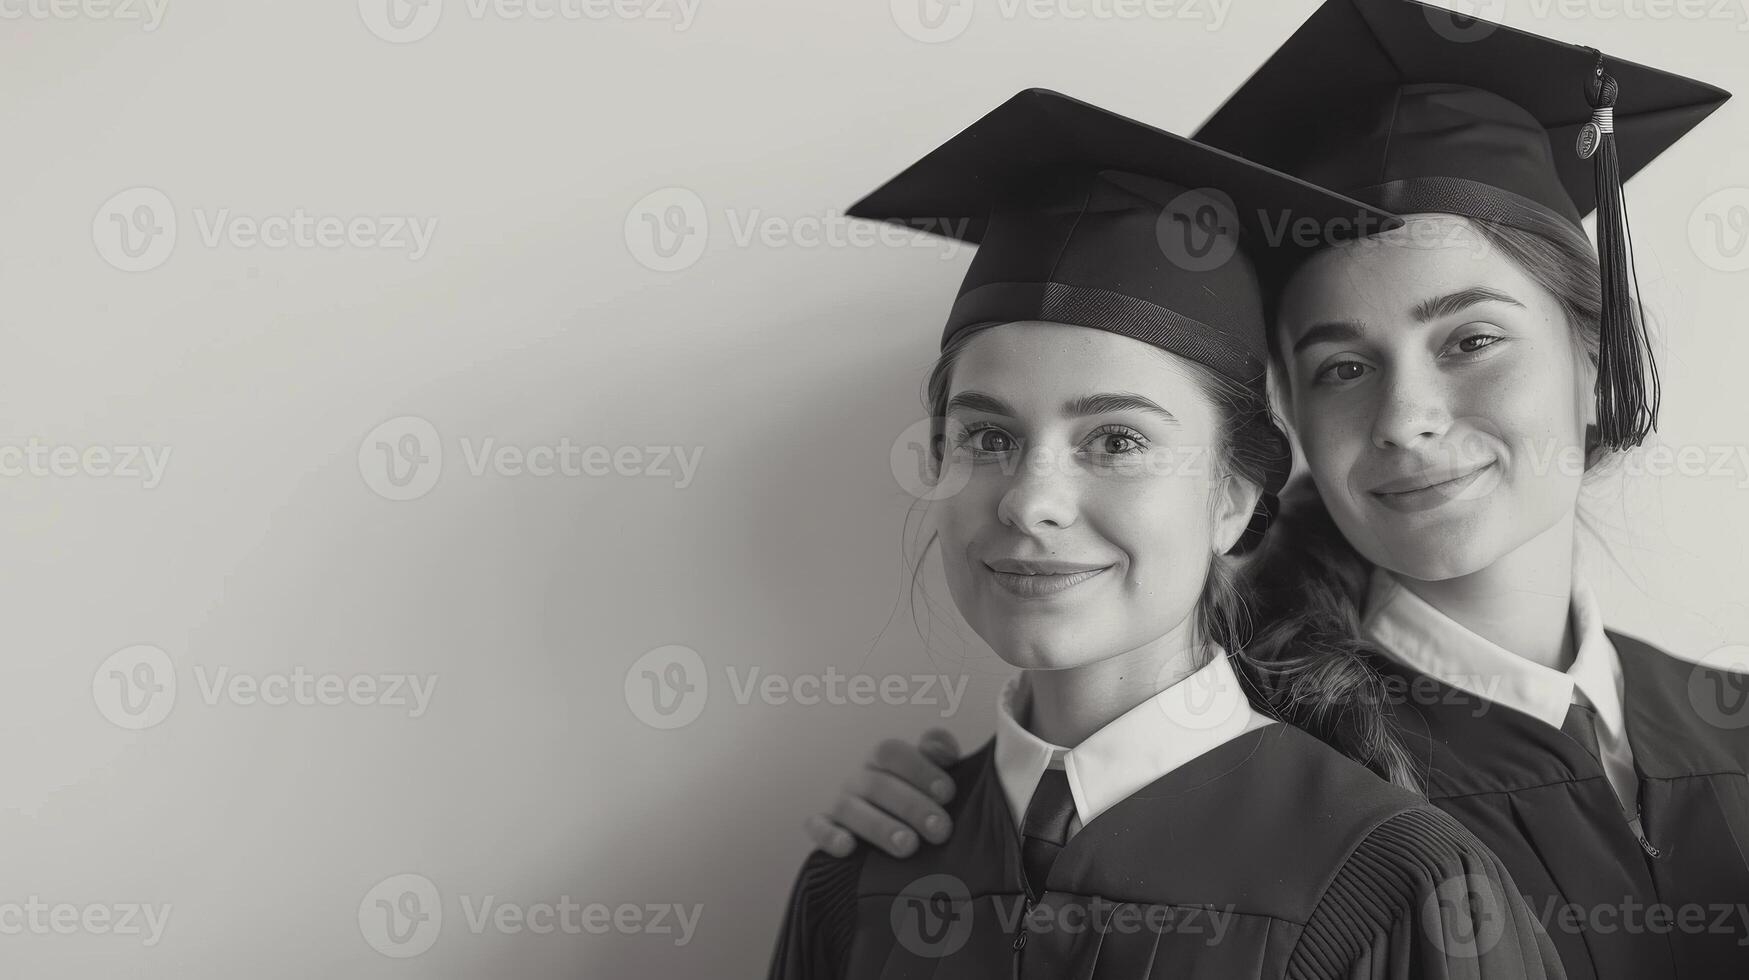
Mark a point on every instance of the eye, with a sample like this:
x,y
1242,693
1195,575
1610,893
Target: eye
x,y
1478,342
1118,440
1340,372
985,440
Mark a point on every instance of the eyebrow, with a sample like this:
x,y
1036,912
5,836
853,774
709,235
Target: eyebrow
x,y
1438,306
1330,332
1103,403
1428,309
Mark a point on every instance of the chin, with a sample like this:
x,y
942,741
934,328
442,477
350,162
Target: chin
x,y
1432,550
1055,647
1453,548
1455,562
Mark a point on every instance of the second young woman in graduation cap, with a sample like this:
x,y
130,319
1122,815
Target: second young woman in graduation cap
x,y
1454,395
1438,389
1104,442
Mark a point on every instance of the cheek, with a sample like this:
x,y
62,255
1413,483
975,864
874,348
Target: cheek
x,y
964,518
1533,404
965,522
1546,434
1333,440
1160,524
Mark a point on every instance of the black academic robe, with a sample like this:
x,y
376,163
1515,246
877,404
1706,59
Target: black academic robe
x,y
1270,856
1543,804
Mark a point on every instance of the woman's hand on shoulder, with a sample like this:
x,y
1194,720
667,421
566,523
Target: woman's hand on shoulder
x,y
895,798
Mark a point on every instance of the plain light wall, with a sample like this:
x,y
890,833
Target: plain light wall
x,y
269,547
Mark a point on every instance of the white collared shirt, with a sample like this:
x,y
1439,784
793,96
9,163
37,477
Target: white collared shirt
x,y
1197,714
1415,634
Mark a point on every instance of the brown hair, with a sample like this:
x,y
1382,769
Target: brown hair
x,y
1311,582
1331,692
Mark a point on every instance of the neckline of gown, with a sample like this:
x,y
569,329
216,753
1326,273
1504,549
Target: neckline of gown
x,y
1667,738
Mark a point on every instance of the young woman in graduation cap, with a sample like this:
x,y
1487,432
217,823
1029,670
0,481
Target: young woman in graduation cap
x,y
1441,377
1103,441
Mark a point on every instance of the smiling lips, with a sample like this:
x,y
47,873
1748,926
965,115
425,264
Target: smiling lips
x,y
1034,579
1426,490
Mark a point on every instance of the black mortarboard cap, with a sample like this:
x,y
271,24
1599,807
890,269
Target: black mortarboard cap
x,y
1415,108
1088,218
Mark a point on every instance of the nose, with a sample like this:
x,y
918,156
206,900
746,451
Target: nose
x,y
1411,409
1041,493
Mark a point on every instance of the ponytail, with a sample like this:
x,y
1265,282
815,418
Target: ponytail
x,y
1309,659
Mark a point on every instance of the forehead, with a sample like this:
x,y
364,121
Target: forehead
x,y
1386,275
1035,366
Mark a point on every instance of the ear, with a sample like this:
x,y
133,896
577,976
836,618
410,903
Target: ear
x,y
1235,501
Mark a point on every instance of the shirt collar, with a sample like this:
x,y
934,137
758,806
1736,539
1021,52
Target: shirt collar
x,y
1193,716
1412,632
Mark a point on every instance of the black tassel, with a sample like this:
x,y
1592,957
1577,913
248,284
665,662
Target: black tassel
x,y
1627,375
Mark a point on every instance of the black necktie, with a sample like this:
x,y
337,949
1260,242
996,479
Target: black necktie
x,y
1045,828
1581,725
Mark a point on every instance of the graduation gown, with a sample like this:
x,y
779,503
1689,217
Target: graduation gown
x,y
1543,804
1269,856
